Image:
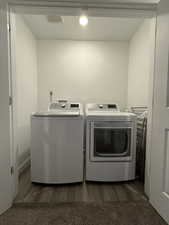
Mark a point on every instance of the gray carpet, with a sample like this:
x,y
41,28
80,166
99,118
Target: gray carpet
x,y
124,213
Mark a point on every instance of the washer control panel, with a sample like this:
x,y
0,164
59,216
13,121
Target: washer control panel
x,y
63,106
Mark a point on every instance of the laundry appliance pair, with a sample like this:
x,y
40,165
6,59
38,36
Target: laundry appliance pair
x,y
58,137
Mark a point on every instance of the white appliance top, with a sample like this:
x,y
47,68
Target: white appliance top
x,y
61,109
112,109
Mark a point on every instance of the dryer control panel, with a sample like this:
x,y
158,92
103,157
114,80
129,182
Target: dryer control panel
x,y
74,105
103,107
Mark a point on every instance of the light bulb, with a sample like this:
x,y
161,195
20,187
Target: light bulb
x,y
83,20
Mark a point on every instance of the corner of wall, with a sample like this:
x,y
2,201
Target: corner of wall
x,y
26,87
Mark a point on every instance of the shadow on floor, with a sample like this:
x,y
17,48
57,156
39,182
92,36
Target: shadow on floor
x,y
81,192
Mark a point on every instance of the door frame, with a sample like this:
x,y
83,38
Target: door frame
x,y
93,9
5,113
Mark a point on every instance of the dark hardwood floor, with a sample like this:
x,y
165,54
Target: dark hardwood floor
x,y
82,192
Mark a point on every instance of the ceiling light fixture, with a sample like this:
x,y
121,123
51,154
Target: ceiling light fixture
x,y
83,20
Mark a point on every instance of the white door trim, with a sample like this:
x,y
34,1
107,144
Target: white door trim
x,y
14,140
150,113
159,182
93,9
5,114
107,4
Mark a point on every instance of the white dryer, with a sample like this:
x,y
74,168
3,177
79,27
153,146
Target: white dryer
x,y
110,143
57,144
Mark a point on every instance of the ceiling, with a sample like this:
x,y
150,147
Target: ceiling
x,y
107,1
98,28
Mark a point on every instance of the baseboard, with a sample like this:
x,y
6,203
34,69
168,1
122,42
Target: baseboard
x,y
24,165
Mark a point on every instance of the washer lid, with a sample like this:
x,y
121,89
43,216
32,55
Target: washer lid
x,y
56,113
61,109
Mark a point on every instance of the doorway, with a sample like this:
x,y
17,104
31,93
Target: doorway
x,y
127,46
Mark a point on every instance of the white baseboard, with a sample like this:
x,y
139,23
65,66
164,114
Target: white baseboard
x,y
25,164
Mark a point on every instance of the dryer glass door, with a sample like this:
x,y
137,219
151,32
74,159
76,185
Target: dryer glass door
x,y
111,141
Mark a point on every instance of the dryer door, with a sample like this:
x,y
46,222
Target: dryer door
x,y
111,141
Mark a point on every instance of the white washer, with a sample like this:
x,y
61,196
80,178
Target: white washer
x,y
110,143
57,144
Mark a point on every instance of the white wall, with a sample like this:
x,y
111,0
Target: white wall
x,y
26,85
82,71
140,62
140,79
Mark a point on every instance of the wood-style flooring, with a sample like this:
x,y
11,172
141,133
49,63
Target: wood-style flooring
x,y
82,192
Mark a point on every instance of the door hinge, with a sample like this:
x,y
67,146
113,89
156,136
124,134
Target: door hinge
x,y
9,27
10,100
12,170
